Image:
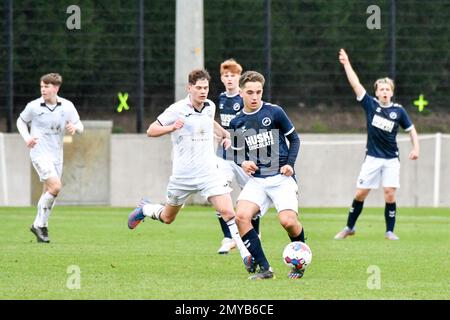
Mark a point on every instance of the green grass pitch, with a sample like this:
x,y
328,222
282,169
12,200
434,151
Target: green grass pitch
x,y
179,261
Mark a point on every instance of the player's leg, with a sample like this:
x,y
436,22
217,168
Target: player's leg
x,y
248,205
244,213
49,173
177,194
369,178
242,179
391,181
283,191
227,242
224,205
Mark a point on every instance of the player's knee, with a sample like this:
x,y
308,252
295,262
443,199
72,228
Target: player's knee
x,y
54,188
288,221
227,214
242,218
361,195
389,197
167,220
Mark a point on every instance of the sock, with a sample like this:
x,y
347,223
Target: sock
x,y
153,211
224,226
390,210
251,240
231,224
300,237
255,224
354,212
44,209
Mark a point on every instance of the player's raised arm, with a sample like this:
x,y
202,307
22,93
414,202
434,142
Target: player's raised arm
x,y
351,74
157,130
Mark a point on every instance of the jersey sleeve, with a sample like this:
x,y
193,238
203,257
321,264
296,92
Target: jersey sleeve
x,y
169,116
404,121
27,114
283,122
74,117
366,101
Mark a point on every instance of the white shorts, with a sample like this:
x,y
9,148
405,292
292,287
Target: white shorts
x,y
231,170
376,170
281,190
179,189
47,168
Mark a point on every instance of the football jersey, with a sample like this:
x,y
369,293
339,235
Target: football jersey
x,y
48,124
260,136
229,106
193,144
382,127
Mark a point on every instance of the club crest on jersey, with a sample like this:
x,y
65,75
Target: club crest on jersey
x,y
260,140
236,106
378,109
393,115
221,106
266,121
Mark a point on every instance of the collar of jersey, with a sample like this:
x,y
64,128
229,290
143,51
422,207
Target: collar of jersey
x,y
250,113
231,96
43,104
189,103
388,106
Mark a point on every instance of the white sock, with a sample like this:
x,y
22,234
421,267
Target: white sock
x,y
237,238
44,209
153,211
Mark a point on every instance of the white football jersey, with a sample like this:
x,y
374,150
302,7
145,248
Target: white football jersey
x,y
48,124
193,144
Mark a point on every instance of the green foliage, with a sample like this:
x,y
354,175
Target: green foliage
x,y
101,59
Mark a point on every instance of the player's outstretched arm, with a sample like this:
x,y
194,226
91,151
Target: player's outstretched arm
x,y
351,74
157,130
414,154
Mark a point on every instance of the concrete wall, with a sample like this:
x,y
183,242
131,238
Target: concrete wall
x,y
327,168
14,171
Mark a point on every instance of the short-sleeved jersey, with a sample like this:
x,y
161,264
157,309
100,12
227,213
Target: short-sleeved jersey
x,y
382,127
48,124
260,137
229,106
193,144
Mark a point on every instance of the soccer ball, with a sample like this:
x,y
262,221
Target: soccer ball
x,y
297,255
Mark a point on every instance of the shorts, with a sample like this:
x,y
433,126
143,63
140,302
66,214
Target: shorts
x,y
281,190
231,170
376,170
179,189
47,168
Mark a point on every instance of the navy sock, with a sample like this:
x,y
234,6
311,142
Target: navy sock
x,y
255,224
300,237
390,210
354,212
253,244
225,229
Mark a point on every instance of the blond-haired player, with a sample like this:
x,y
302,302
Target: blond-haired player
x,y
382,164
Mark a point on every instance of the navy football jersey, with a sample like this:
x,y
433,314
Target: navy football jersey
x,y
382,127
260,137
229,106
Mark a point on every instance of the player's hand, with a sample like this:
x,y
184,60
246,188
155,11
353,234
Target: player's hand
x,y
226,143
32,142
178,125
249,167
343,58
287,170
414,154
70,128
